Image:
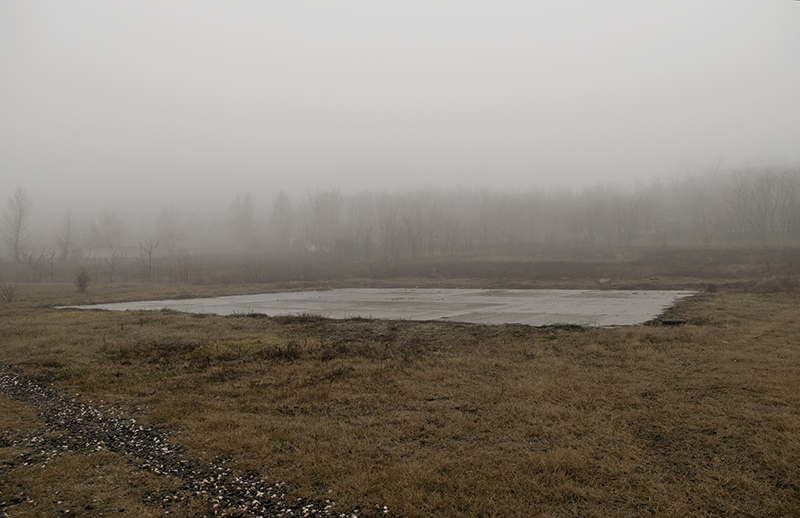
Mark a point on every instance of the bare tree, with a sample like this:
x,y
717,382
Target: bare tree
x,y
361,215
389,231
789,204
412,225
148,248
184,260
96,262
629,212
34,261
113,260
242,221
190,268
108,228
322,215
53,259
283,219
66,234
17,220
755,202
698,208
168,229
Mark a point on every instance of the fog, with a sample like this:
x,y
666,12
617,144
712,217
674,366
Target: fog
x,y
283,239
133,108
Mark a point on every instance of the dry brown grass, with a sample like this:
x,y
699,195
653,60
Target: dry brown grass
x,y
455,420
97,484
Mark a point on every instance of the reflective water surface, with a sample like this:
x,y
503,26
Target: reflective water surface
x,y
531,307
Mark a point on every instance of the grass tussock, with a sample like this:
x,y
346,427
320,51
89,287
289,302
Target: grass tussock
x,y
443,419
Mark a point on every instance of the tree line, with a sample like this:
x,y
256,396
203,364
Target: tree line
x,y
743,207
755,206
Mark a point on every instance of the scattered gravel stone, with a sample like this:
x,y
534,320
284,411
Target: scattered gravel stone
x,y
76,427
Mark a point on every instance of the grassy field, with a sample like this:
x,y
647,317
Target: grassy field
x,y
429,419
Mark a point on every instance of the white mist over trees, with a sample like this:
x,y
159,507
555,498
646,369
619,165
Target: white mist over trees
x,y
744,207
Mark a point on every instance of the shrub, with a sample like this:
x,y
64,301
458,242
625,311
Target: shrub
x,y
7,291
82,279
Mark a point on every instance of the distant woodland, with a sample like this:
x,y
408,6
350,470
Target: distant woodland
x,y
745,207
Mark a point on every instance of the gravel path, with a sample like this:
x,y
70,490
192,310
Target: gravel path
x,y
73,427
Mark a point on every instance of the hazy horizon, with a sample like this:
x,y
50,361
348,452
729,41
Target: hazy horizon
x,y
119,105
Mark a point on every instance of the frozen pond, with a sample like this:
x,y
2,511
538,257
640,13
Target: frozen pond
x,y
531,307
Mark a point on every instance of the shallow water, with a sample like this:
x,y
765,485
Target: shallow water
x,y
532,307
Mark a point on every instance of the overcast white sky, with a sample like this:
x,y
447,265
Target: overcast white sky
x,y
198,100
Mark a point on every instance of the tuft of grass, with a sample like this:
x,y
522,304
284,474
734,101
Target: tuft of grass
x,y
300,318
